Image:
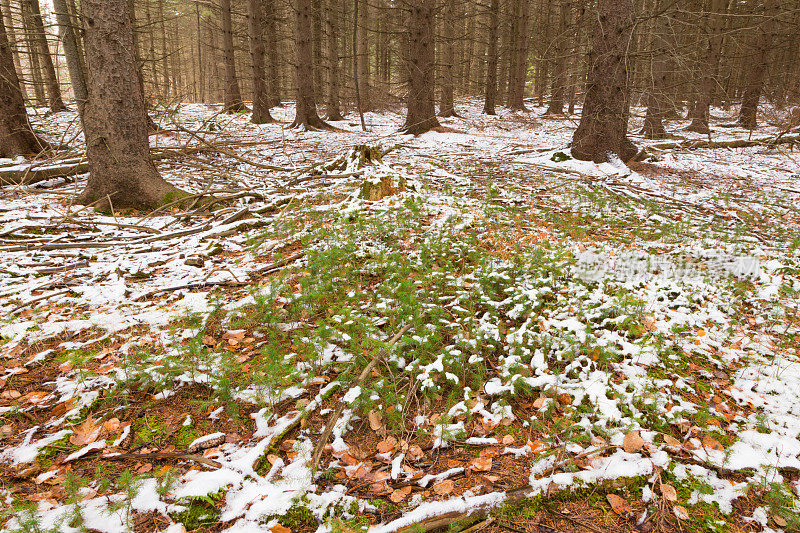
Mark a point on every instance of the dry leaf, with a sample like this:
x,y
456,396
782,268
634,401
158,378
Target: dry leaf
x,y
414,453
112,426
538,403
272,458
508,439
452,463
779,520
711,442
669,440
277,528
147,467
633,442
619,504
385,447
669,492
443,488
481,464
400,494
86,433
10,394
565,398
374,420
209,341
681,512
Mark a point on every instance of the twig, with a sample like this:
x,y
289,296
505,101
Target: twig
x,y
323,440
156,455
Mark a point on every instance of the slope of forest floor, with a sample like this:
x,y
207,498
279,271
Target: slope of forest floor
x,y
509,340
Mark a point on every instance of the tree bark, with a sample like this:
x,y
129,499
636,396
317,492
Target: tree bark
x,y
273,72
75,66
332,108
233,102
363,56
34,62
490,95
700,111
421,115
16,135
122,174
653,127
446,104
603,126
152,127
305,108
54,99
757,68
519,58
558,82
255,27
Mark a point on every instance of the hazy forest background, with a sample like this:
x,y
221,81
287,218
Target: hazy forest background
x,y
399,265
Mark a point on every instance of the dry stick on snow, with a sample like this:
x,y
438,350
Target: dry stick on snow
x,y
155,455
323,440
38,299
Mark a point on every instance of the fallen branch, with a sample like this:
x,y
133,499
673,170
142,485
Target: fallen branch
x,y
155,455
323,440
735,143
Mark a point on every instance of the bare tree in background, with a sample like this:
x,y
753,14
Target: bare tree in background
x,y
255,28
490,94
122,174
604,120
233,96
421,116
305,107
16,135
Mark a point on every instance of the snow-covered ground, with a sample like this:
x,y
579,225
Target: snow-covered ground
x,y
578,323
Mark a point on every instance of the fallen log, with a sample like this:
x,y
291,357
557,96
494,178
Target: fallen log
x,y
735,143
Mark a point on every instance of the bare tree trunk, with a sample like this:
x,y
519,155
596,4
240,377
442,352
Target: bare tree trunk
x,y
519,57
363,56
421,115
232,95
558,83
273,71
653,127
446,105
255,27
16,135
757,68
603,127
12,40
33,54
122,174
165,77
151,125
332,108
305,108
75,67
54,99
491,59
201,70
699,112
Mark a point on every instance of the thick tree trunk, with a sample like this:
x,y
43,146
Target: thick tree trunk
x,y
273,72
332,108
653,127
75,66
518,68
363,56
54,99
699,113
421,115
490,95
305,108
446,104
5,5
603,127
16,135
232,95
757,69
255,27
122,174
558,83
34,62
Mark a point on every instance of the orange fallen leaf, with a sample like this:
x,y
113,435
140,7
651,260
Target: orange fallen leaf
x,y
632,442
277,528
669,492
481,464
619,504
443,488
711,442
86,433
208,340
399,495
374,420
669,440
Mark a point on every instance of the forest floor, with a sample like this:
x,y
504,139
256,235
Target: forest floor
x,y
574,347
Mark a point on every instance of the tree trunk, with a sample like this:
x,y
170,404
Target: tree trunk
x,y
75,67
519,58
332,107
54,99
558,83
151,125
653,127
255,27
491,59
34,62
603,126
122,174
5,5
232,95
700,110
446,104
421,115
273,72
757,69
305,108
363,56
16,135
165,77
